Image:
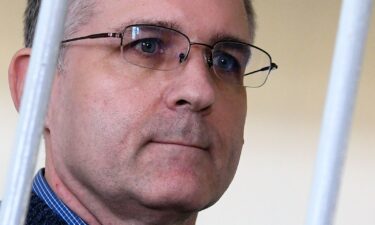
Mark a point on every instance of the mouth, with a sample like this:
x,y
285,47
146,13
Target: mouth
x,y
185,132
198,146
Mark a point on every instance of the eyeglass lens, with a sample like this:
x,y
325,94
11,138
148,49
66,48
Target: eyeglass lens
x,y
162,48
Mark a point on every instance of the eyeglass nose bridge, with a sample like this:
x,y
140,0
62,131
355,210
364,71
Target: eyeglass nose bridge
x,y
207,56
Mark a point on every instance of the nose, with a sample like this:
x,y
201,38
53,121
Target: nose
x,y
193,88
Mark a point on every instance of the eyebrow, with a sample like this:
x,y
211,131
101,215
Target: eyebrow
x,y
173,25
163,23
226,37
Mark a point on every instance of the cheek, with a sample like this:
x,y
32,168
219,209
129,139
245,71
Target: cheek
x,y
102,112
101,101
83,116
229,122
89,130
102,115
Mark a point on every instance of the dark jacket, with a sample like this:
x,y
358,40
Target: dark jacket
x,y
40,214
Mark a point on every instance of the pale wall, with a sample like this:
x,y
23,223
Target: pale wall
x,y
282,130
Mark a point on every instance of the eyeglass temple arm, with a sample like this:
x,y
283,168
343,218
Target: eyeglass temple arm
x,y
95,36
273,66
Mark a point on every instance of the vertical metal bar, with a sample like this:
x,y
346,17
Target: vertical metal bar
x,y
42,67
348,55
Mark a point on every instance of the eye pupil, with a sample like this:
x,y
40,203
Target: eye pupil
x,y
226,63
223,62
148,47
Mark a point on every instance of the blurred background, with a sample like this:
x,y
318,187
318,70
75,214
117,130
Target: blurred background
x,y
273,181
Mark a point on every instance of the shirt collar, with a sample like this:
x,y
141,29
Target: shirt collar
x,y
44,191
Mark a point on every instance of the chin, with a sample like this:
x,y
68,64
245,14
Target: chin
x,y
179,204
182,195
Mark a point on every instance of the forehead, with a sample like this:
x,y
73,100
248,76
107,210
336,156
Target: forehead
x,y
199,19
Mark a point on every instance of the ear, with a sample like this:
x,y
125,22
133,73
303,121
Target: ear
x,y
17,74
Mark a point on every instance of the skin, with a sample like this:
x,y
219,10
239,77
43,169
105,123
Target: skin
x,y
128,145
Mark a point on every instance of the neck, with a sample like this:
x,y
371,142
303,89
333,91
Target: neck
x,y
95,211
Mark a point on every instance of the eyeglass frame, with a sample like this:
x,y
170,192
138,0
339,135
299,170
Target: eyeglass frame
x,y
271,67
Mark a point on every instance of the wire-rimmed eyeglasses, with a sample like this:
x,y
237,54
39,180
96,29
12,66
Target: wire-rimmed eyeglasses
x,y
161,48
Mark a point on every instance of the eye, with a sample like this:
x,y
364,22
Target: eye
x,y
148,46
225,62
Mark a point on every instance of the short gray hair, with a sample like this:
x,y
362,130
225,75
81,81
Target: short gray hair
x,y
79,13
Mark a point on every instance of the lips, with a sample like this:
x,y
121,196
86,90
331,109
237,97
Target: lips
x,y
188,136
184,130
200,146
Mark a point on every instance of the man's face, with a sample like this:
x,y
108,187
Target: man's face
x,y
124,133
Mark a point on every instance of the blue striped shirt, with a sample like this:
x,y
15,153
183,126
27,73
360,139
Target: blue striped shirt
x,y
43,190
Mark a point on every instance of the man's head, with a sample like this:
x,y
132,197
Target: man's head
x,y
122,138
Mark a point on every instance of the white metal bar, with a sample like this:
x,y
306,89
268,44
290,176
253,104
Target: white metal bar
x,y
46,45
347,60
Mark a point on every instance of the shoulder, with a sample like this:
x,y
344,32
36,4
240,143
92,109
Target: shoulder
x,y
40,213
